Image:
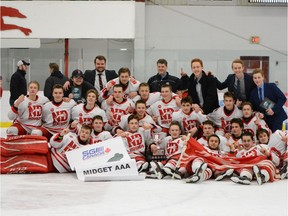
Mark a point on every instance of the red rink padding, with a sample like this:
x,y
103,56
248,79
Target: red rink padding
x,y
24,144
194,150
24,164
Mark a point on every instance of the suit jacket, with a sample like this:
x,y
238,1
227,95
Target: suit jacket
x,y
272,92
230,81
89,75
209,91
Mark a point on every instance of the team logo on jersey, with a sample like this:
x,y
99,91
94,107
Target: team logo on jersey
x,y
172,147
189,124
35,112
60,117
166,115
226,125
135,142
117,113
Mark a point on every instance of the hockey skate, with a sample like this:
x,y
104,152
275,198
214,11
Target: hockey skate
x,y
260,178
241,180
176,173
227,174
156,168
143,167
198,175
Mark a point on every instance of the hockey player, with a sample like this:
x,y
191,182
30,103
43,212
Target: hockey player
x,y
252,122
234,138
129,84
172,146
56,113
84,113
223,115
99,134
250,149
67,141
140,112
119,107
189,119
26,111
136,139
201,169
162,110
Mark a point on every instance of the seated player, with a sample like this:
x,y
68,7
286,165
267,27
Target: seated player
x,y
172,146
189,120
250,149
201,169
223,115
99,134
67,141
26,111
56,114
136,139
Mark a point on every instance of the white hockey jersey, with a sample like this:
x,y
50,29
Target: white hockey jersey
x,y
250,125
222,119
124,121
84,116
276,144
29,112
172,147
163,110
188,121
99,137
69,142
56,117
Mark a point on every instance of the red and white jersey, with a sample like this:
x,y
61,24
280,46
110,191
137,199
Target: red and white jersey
x,y
136,142
250,125
255,151
116,110
29,112
133,86
276,144
69,142
99,137
222,146
124,121
84,116
222,119
163,110
56,117
172,146
215,153
233,140
188,121
203,141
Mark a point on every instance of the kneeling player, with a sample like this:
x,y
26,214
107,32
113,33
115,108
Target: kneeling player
x,y
67,141
98,134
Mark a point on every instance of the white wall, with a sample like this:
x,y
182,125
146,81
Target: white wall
x,y
180,33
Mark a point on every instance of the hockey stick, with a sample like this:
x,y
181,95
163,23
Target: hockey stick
x,y
181,156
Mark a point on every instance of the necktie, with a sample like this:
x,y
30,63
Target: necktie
x,y
100,81
238,90
260,94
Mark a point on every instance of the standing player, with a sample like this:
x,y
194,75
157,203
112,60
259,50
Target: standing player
x,y
26,111
56,113
66,141
223,115
129,84
162,110
99,134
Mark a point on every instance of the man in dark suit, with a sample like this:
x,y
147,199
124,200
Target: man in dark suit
x,y
99,76
201,87
240,83
274,112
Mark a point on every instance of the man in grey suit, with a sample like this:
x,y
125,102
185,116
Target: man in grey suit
x,y
99,76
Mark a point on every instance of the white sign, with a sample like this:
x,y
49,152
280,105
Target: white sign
x,y
102,152
68,19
